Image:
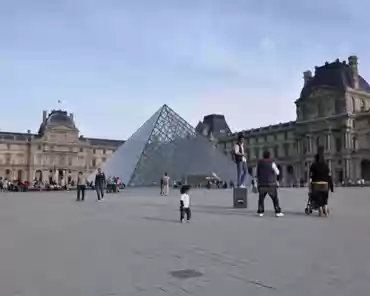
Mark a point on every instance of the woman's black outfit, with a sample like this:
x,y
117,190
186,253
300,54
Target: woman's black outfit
x,y
321,182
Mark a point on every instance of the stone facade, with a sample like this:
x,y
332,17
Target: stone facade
x,y
57,151
333,113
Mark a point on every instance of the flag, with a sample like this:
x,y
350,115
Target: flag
x,y
59,102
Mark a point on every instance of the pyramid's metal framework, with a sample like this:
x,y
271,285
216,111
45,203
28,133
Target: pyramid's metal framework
x,y
167,143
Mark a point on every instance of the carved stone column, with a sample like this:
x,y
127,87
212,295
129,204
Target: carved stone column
x,y
330,165
329,139
347,167
309,144
347,140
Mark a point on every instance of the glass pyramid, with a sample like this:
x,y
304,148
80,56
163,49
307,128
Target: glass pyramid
x,y
167,143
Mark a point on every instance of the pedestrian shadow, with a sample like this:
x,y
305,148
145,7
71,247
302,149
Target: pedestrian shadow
x,y
222,210
297,213
158,219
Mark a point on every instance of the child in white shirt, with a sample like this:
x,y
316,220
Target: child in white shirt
x,y
185,203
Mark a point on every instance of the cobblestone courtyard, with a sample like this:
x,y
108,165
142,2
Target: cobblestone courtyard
x,y
133,244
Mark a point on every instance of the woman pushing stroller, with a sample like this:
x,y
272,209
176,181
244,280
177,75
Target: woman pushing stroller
x,y
321,182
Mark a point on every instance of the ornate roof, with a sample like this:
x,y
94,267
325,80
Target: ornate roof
x,y
337,75
214,124
57,118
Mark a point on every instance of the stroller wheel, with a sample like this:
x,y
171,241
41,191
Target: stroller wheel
x,y
307,211
310,211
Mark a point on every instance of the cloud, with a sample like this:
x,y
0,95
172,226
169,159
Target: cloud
x,y
268,44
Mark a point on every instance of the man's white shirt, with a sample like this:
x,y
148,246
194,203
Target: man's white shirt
x,y
275,168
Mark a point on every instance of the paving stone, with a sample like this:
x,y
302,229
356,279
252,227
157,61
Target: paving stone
x,y
130,244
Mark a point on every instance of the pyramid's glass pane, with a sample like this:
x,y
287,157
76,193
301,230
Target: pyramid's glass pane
x,y
174,147
124,161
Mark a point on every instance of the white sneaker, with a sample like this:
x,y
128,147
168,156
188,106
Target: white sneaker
x,y
279,215
183,221
242,186
260,214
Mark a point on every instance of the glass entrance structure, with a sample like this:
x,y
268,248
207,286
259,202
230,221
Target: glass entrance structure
x,y
167,143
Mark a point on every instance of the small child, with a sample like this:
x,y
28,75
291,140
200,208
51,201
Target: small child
x,y
185,203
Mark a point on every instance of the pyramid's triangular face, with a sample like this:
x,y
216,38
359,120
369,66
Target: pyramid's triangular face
x,y
124,160
167,143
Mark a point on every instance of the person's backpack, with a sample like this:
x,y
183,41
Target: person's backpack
x,y
233,156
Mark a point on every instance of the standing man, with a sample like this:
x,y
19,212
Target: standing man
x,y
241,161
267,173
81,186
166,184
100,182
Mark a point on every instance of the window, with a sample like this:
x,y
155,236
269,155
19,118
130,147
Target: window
x,y
354,143
338,144
338,106
39,147
320,111
104,151
8,146
81,149
276,151
286,150
93,162
286,136
70,160
363,105
353,105
256,153
94,151
103,159
247,153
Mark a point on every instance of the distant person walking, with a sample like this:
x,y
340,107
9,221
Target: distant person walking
x,y
165,184
241,161
100,182
267,173
81,186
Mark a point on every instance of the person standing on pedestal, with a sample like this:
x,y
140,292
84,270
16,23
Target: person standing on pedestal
x,y
241,161
267,172
100,182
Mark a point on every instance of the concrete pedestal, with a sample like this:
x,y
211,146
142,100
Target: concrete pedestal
x,y
240,198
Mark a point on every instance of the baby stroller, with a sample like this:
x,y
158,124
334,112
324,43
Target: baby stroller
x,y
311,204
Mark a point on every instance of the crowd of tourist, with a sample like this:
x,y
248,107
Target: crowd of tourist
x,y
112,184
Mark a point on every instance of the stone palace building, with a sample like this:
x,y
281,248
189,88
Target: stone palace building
x,y
333,113
56,152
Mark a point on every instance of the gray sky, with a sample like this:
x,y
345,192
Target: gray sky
x,y
114,63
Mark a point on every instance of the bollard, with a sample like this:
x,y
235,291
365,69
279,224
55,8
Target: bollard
x,y
240,198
